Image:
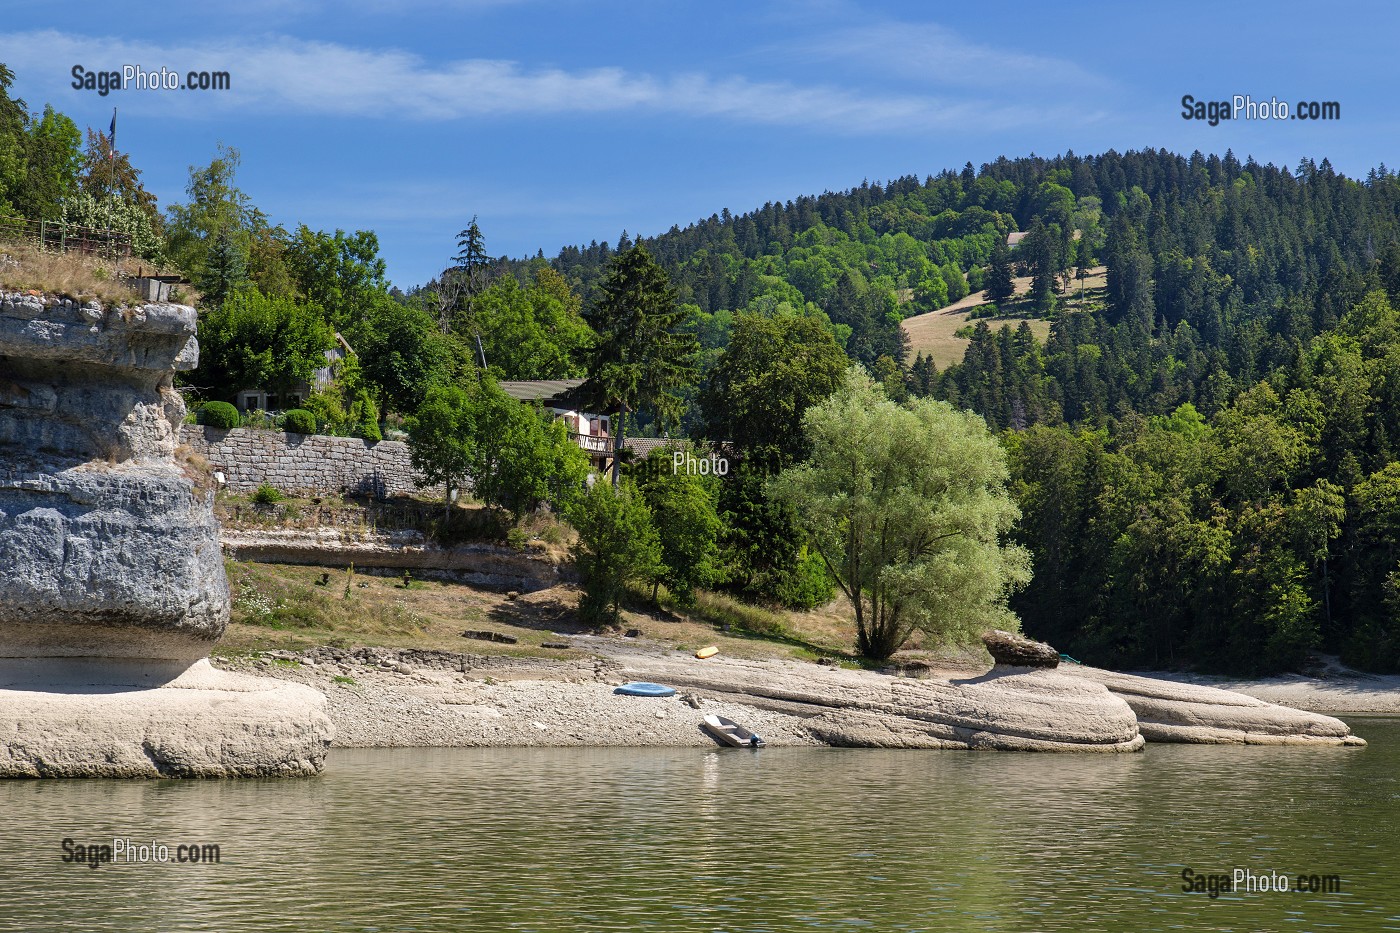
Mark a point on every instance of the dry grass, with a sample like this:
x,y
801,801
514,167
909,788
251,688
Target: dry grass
x,y
935,333
284,606
278,606
26,267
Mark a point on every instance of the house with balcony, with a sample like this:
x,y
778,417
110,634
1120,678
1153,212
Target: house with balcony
x,y
564,399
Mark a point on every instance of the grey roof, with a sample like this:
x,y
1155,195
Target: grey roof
x,y
642,446
539,390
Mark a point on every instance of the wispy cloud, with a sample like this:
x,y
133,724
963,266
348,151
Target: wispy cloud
x,y
290,77
935,54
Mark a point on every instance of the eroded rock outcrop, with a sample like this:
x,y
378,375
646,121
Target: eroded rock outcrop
x,y
111,576
1168,711
1018,708
1025,710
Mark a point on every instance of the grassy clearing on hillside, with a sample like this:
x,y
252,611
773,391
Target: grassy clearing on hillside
x,y
935,333
24,266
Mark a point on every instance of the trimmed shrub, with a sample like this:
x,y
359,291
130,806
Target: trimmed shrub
x,y
369,430
299,421
219,415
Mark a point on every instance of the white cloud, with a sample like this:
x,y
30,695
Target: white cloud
x,y
281,76
938,55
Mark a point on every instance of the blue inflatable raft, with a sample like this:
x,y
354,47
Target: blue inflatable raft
x,y
644,689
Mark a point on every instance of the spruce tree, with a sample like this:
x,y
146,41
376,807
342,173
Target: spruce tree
x,y
642,358
999,286
466,279
225,269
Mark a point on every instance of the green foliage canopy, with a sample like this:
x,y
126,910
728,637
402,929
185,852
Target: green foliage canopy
x,y
617,544
908,507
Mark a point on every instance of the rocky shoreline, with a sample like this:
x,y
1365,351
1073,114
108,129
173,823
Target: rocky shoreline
x,y
382,697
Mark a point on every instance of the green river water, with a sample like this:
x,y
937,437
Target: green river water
x,y
679,840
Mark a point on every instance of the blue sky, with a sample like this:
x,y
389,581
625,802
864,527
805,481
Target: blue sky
x,y
563,121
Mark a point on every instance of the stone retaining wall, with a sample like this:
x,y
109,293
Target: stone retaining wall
x,y
310,464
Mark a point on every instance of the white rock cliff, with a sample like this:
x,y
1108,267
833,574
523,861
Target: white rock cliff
x,y
112,587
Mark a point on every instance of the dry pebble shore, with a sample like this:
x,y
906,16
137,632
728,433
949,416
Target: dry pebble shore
x,y
382,697
389,698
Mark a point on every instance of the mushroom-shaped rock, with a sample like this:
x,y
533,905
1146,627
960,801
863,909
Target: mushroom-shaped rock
x,y
1019,651
112,587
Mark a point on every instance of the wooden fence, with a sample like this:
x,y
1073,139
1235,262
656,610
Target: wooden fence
x,y
55,235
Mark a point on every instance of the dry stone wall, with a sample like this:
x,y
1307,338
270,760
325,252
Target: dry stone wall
x,y
308,464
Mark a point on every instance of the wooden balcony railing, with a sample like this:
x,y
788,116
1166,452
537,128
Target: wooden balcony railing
x,y
593,444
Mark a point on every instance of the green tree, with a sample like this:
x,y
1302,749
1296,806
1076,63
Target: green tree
x,y
464,281
1130,286
225,269
253,341
772,370
907,506
53,158
268,268
442,438
683,507
641,360
532,332
1038,252
522,456
402,353
215,205
617,544
14,122
998,281
340,272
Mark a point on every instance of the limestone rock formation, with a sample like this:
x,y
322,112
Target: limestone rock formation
x,y
1019,708
108,547
114,719
108,542
1025,710
1168,711
1019,651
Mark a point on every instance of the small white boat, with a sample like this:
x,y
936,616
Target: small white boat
x,y
729,732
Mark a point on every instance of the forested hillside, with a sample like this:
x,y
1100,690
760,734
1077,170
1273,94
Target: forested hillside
x,y
1205,466
1204,453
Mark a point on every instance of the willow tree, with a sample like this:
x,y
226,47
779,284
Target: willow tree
x,y
908,508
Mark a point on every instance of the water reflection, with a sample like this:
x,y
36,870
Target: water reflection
x,y
725,840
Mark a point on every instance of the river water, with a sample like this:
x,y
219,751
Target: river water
x,y
735,840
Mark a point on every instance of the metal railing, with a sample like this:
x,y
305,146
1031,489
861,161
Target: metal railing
x,y
62,237
593,443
